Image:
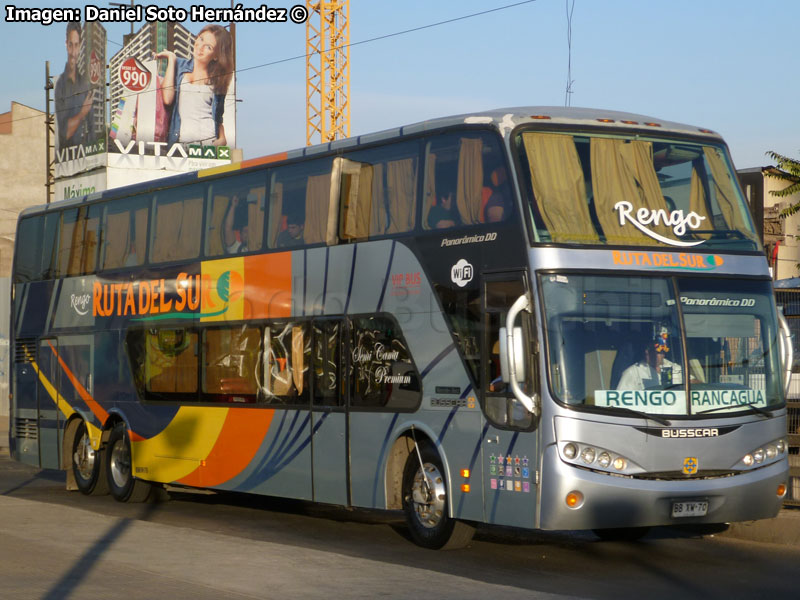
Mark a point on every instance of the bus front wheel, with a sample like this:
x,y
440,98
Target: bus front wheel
x,y
124,486
426,504
87,464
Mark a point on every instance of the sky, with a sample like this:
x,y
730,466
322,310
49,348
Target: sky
x,y
725,65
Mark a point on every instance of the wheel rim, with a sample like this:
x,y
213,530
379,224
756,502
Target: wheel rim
x,y
84,457
120,462
428,498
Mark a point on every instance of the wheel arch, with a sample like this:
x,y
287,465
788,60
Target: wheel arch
x,y
403,446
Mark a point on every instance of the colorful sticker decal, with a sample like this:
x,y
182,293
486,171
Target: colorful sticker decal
x,y
690,465
526,487
493,483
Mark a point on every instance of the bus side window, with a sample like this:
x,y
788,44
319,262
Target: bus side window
x,y
299,204
164,363
26,259
382,372
232,363
124,233
378,191
465,181
177,222
287,360
235,221
79,240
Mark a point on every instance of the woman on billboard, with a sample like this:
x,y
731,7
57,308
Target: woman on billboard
x,y
195,88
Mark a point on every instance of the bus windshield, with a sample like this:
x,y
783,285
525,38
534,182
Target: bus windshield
x,y
632,191
625,343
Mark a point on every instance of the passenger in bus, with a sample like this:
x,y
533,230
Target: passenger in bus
x,y
496,197
293,234
654,370
442,215
234,232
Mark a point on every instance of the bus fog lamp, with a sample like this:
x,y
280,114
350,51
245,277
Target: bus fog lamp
x,y
570,451
574,499
758,455
772,451
588,455
604,459
748,460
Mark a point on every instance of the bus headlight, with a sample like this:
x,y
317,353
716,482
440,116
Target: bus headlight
x,y
596,458
570,451
766,454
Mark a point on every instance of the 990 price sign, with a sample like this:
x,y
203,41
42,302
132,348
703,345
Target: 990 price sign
x,y
133,75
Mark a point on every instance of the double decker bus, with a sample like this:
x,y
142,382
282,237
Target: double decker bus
x,y
536,317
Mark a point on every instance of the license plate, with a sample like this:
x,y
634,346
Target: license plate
x,y
689,509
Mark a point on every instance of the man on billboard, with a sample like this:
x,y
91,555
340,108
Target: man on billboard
x,y
73,98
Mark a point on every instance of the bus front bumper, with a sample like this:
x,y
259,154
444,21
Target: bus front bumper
x,y
611,502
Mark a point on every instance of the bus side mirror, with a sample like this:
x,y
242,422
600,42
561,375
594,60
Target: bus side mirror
x,y
516,339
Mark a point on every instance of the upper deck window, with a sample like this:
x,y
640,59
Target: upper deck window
x,y
627,191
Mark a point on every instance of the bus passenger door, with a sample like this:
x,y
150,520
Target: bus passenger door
x,y
48,414
328,412
510,442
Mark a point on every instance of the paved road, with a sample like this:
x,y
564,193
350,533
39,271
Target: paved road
x,y
58,544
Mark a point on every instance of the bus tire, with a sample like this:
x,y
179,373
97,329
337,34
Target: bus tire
x,y
88,465
124,486
621,534
427,510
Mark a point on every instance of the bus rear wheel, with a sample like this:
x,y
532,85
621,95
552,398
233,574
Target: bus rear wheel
x,y
426,504
87,464
124,486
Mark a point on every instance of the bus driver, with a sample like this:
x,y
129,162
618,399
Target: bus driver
x,y
654,370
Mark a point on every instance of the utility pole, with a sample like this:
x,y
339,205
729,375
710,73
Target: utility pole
x,y
49,155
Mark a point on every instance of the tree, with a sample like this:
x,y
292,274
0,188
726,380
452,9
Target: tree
x,y
788,170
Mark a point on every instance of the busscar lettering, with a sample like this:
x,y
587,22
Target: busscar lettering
x,y
690,432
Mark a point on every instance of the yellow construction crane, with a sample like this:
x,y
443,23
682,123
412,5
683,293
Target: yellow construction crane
x,y
327,70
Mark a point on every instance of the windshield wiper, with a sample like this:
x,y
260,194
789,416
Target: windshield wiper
x,y
638,413
749,405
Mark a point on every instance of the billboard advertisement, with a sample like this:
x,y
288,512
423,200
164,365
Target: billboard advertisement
x,y
80,112
172,99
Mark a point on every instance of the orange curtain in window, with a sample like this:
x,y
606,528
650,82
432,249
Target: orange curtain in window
x,y
430,188
318,192
167,228
559,187
377,220
255,217
698,202
401,185
469,193
623,171
117,240
725,190
275,213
